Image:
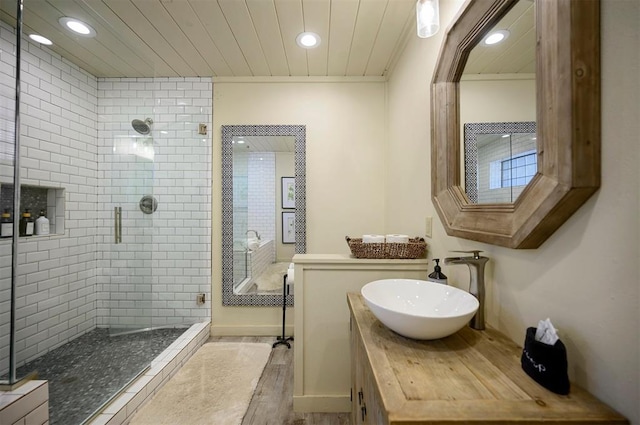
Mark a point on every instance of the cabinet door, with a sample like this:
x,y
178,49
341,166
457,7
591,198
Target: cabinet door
x,y
355,397
357,381
366,408
375,414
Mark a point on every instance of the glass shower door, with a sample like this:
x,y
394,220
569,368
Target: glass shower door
x,y
8,54
129,169
241,263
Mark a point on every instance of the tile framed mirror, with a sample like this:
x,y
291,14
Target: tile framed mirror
x,y
256,248
567,117
500,159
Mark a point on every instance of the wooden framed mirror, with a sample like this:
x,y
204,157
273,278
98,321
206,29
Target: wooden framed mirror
x,y
567,115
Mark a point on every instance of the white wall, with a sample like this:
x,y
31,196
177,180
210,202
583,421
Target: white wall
x,y
503,99
285,167
495,98
261,193
344,122
586,277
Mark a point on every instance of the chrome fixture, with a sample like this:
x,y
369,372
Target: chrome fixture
x,y
257,234
142,127
117,212
148,204
476,284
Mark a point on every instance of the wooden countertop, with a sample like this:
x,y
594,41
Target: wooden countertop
x,y
471,376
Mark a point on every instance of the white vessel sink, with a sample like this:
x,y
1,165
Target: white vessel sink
x,y
419,309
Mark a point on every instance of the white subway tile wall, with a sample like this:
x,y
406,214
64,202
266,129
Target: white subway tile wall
x,y
261,258
153,276
240,216
497,152
7,102
70,123
262,193
56,296
7,141
254,192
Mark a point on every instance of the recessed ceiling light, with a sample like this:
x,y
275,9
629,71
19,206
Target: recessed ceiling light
x,y
78,27
496,37
40,39
308,40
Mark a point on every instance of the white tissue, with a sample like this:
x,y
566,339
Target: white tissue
x,y
546,333
397,238
372,238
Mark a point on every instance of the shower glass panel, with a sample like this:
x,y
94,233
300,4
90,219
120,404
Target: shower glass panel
x,y
112,150
8,86
240,214
128,166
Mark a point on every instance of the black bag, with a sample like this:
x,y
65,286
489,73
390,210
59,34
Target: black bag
x,y
546,364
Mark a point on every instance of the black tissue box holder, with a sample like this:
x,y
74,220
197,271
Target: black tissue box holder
x,y
546,364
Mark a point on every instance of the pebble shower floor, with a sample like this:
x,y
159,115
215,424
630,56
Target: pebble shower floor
x,y
85,372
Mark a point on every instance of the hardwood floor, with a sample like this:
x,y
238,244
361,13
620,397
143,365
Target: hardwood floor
x,y
272,402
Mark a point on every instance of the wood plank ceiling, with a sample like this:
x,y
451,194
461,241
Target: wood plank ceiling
x,y
517,53
224,38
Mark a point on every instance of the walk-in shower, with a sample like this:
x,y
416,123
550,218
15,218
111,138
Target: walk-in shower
x,y
71,291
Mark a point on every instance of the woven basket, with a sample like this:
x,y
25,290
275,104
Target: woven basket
x,y
415,248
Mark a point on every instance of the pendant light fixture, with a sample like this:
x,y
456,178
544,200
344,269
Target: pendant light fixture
x,y
428,17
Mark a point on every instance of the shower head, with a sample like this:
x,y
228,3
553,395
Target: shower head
x,y
142,127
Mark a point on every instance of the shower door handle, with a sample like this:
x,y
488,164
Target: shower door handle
x,y
118,223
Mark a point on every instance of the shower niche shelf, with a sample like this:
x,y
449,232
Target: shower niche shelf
x,y
37,198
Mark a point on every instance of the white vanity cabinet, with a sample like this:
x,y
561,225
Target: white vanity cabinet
x,y
322,366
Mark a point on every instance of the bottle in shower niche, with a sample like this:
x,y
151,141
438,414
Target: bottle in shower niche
x,y
27,223
6,224
42,224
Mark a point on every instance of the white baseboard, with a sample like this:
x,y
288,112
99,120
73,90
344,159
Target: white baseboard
x,y
250,330
322,404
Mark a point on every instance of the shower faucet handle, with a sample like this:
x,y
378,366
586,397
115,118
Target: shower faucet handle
x,y
148,204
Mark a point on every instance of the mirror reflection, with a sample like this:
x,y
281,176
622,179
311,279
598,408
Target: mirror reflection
x,y
500,160
567,128
263,192
263,211
497,108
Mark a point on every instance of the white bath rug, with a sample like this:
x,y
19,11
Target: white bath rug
x,y
214,387
272,278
